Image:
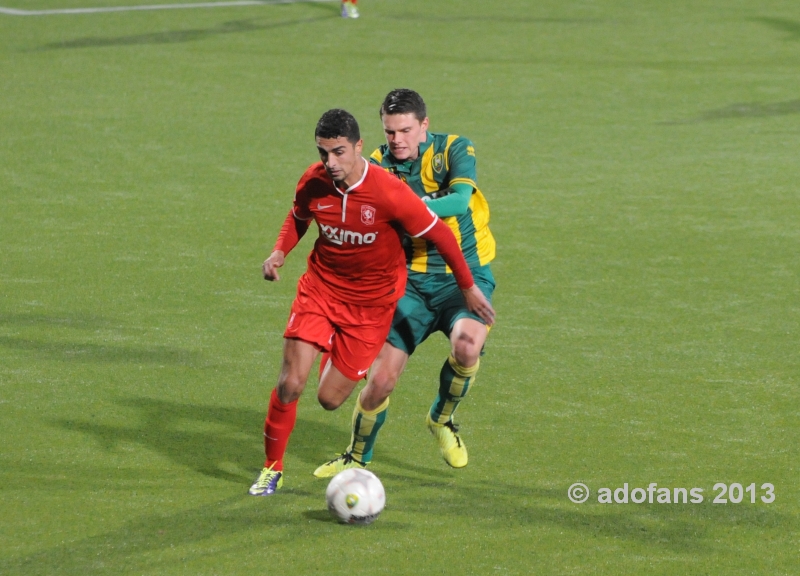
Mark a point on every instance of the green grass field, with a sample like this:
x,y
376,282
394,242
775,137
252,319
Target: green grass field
x,y
642,162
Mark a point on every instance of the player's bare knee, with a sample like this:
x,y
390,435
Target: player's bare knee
x,y
375,393
466,352
329,402
289,391
383,392
384,380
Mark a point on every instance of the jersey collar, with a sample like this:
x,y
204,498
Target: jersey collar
x,y
423,147
357,184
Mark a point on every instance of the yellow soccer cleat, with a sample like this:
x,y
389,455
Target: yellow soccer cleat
x,y
267,483
450,444
342,462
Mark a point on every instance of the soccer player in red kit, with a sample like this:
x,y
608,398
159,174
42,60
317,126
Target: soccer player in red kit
x,y
356,273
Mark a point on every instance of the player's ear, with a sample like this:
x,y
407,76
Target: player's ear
x,y
359,145
424,124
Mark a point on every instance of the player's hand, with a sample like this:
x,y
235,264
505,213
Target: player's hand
x,y
478,304
271,265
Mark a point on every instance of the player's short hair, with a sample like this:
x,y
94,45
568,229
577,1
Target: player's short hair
x,y
404,101
337,123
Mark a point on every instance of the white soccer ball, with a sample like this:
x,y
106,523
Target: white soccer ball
x,y
355,496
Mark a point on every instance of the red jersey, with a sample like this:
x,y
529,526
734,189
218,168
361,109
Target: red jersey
x,y
359,256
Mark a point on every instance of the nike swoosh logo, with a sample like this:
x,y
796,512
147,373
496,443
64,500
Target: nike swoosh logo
x,y
362,372
321,207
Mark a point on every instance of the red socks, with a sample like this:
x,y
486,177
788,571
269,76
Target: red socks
x,y
277,428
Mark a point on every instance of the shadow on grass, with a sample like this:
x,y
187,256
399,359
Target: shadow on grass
x,y
791,27
219,442
441,472
320,516
98,353
177,36
210,440
383,524
744,110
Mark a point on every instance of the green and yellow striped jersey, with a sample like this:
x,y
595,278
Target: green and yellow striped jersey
x,y
444,160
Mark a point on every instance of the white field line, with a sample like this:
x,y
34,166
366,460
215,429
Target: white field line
x,y
16,12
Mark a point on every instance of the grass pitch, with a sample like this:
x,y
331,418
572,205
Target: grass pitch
x,y
641,163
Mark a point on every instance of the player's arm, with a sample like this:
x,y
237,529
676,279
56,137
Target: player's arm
x,y
294,227
451,201
420,222
454,200
292,230
442,237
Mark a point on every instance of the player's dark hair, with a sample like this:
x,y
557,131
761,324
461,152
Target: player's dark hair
x,y
404,101
337,122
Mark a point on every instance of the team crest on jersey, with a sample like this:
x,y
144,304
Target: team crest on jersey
x,y
367,215
438,162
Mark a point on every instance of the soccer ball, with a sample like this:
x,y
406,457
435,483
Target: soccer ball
x,y
355,496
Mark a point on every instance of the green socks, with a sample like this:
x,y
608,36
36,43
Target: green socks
x,y
454,383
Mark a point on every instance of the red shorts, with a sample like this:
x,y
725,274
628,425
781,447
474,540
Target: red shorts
x,y
353,334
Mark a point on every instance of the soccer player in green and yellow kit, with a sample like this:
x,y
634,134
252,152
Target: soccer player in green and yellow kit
x,y
440,168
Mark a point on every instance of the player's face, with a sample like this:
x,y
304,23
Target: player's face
x,y
342,159
404,133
